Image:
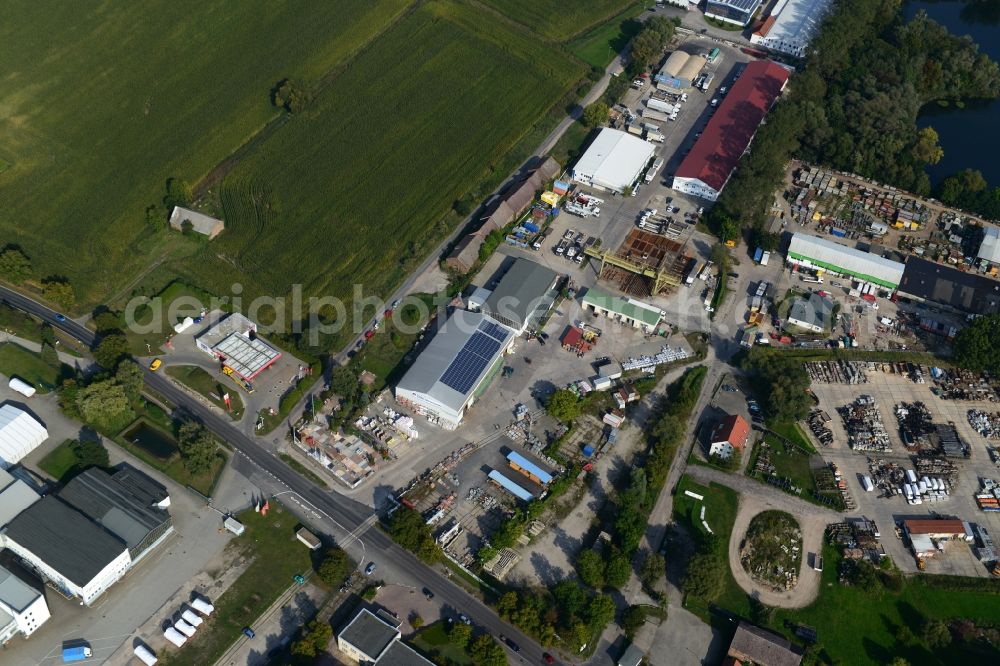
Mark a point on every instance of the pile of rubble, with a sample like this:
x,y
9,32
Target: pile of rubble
x,y
865,430
915,424
818,420
958,384
986,424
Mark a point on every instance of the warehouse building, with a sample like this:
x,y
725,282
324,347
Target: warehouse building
x,y
819,253
737,12
680,70
961,291
989,248
205,225
22,607
455,367
86,537
628,311
613,161
20,434
522,295
715,155
66,549
790,26
234,341
15,497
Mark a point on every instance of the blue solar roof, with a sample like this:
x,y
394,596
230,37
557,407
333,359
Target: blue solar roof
x,y
510,486
526,464
475,355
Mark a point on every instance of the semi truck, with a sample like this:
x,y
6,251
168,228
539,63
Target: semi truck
x,y
653,114
78,653
661,105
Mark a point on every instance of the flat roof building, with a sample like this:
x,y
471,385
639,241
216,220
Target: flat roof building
x,y
110,503
522,296
989,248
613,161
737,12
20,434
454,367
15,497
815,252
367,637
790,26
234,341
22,607
205,225
967,292
628,311
715,155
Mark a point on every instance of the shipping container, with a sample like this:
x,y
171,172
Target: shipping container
x,y
867,484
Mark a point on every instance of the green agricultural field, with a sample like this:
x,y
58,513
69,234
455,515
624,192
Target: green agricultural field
x,y
353,190
105,102
558,19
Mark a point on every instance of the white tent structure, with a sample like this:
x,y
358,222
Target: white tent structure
x,y
20,434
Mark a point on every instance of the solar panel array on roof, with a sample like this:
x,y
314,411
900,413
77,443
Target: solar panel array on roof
x,y
475,355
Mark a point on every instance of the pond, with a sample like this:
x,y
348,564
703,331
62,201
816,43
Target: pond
x,y
968,135
153,441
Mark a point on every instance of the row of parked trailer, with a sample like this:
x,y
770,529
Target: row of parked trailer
x,y
186,626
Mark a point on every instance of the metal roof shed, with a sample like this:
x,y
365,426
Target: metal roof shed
x,y
511,487
516,458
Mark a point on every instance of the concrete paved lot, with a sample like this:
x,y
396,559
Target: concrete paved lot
x,y
888,390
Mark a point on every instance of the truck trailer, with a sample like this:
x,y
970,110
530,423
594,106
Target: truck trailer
x,y
144,655
78,653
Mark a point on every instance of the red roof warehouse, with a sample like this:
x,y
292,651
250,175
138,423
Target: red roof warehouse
x,y
707,168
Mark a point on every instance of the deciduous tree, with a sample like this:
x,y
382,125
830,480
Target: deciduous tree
x,y
590,567
564,405
15,267
198,447
335,567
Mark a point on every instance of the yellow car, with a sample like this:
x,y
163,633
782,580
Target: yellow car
x,y
155,365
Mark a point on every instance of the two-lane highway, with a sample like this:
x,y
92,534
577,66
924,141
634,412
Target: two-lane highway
x,y
349,514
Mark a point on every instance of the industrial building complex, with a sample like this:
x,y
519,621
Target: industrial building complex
x,y
22,607
680,70
790,26
85,537
712,160
523,294
812,252
614,161
737,12
957,290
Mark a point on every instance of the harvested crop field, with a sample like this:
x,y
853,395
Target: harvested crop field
x,y
353,190
558,19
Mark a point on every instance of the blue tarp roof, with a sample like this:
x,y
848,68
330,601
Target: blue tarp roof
x,y
524,463
510,486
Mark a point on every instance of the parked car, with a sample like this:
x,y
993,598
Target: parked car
x,y
155,365
548,658
510,643
248,632
370,569
428,593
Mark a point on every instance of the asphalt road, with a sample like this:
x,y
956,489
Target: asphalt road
x,y
350,515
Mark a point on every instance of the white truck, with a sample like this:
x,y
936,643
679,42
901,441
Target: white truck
x,y
582,211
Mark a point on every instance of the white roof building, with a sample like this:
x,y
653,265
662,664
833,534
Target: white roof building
x,y
22,607
15,497
445,379
20,434
791,26
989,249
814,252
205,225
613,161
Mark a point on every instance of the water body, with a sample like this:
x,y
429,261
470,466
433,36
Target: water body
x,y
970,136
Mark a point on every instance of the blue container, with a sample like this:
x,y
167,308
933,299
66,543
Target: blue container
x,y
838,232
588,450
533,228
555,212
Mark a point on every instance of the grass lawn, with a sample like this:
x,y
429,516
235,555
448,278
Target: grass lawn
x,y
16,361
190,95
792,432
302,469
570,144
158,449
856,626
359,171
383,354
60,462
155,320
212,387
720,504
600,46
18,323
277,557
433,641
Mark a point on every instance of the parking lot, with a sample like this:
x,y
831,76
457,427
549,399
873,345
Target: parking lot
x,y
888,390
